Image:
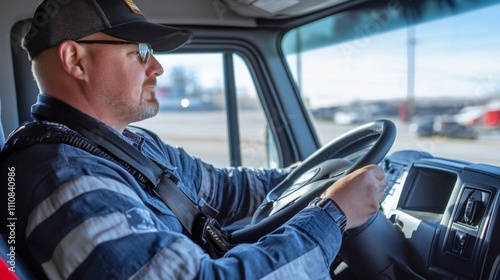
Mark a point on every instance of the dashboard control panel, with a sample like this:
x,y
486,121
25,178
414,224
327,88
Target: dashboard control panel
x,y
448,213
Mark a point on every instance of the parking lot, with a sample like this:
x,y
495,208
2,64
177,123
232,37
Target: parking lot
x,y
203,133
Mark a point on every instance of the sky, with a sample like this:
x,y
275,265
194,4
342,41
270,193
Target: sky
x,y
457,56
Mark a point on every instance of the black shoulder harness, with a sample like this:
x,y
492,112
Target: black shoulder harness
x,y
44,132
61,123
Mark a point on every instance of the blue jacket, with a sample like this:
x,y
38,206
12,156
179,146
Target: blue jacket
x,y
80,216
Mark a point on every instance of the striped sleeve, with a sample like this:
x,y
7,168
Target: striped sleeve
x,y
100,228
96,227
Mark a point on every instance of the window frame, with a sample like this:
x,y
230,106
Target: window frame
x,y
292,132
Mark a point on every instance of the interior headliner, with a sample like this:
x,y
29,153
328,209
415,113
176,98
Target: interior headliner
x,y
240,13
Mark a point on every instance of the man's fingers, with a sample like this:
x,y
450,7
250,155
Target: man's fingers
x,y
380,196
379,173
383,183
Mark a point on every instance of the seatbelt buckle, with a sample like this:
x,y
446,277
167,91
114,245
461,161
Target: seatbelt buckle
x,y
209,235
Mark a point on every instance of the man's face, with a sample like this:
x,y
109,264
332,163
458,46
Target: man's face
x,y
121,82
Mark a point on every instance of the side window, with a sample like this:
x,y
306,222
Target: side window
x,y
210,107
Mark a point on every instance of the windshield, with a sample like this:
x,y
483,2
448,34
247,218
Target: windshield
x,y
437,79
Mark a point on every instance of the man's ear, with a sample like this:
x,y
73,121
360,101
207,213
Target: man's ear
x,y
71,54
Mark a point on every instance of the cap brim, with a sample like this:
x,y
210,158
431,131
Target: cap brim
x,y
162,38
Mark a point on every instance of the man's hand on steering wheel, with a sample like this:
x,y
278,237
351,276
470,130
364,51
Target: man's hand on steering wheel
x,y
358,194
350,160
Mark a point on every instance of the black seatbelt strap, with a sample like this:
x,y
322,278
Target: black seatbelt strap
x,y
204,229
162,182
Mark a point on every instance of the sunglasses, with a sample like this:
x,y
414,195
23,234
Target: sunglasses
x,y
145,50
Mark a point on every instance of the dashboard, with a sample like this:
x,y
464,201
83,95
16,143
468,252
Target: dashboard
x,y
446,214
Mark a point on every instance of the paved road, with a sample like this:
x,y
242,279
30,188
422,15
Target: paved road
x,y
204,134
484,150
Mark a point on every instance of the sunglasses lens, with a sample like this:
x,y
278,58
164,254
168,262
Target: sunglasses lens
x,y
144,52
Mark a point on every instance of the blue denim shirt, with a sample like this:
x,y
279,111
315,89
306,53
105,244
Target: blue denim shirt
x,y
84,217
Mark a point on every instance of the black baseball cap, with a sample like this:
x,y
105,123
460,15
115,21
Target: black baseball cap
x,y
55,21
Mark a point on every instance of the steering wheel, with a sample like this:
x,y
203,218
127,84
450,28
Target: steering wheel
x,y
361,146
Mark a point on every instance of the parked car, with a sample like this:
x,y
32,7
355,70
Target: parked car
x,y
449,127
445,126
424,126
440,218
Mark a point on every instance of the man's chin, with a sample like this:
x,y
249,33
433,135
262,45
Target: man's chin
x,y
153,106
148,108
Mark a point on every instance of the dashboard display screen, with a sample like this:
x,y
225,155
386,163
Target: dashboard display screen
x,y
429,190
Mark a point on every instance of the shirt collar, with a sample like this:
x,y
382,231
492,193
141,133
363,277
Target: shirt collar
x,y
133,138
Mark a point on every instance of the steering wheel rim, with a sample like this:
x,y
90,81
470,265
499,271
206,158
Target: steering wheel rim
x,y
373,140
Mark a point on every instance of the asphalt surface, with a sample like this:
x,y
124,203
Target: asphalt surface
x,y
204,134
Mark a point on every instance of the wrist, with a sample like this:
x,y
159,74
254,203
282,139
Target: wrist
x,y
333,210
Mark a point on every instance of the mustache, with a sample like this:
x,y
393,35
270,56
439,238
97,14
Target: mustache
x,y
149,83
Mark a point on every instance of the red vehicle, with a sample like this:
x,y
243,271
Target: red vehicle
x,y
491,118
